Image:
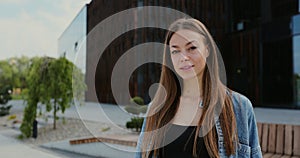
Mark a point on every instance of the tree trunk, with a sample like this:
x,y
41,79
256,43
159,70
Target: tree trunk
x,y
54,115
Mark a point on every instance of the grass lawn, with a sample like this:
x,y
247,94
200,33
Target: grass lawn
x,y
17,97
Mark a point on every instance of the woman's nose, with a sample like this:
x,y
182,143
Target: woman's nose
x,y
184,57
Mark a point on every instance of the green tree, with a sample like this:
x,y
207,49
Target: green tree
x,y
33,79
19,68
6,73
13,72
50,83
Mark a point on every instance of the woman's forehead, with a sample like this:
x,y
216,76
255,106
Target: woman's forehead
x,y
183,37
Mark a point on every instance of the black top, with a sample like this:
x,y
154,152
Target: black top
x,y
179,142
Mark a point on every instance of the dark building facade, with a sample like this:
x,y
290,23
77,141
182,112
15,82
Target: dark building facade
x,y
280,53
259,42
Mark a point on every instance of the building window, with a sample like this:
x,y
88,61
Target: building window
x,y
296,24
296,52
298,90
240,26
296,49
299,6
140,3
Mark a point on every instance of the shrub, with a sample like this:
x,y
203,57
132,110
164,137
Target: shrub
x,y
132,109
136,109
135,123
138,100
12,117
143,109
4,110
5,96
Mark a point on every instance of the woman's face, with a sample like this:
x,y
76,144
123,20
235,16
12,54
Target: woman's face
x,y
188,53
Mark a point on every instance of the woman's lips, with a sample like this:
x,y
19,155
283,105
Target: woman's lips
x,y
187,67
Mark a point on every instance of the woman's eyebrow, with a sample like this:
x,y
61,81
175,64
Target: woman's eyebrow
x,y
190,42
174,46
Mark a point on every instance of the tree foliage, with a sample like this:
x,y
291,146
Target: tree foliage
x,y
13,72
5,73
50,83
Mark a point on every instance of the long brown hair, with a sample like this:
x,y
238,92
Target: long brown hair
x,y
216,99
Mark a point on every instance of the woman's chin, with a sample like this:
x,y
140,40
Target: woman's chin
x,y
189,77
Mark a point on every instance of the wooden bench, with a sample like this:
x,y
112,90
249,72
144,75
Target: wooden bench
x,y
279,140
128,140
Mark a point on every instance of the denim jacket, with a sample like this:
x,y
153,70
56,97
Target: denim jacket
x,y
248,145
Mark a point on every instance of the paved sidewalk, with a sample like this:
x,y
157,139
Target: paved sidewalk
x,y
278,116
91,112
106,113
99,149
13,148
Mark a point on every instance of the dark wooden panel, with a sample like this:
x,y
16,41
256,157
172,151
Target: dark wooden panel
x,y
265,134
296,148
288,140
272,138
280,139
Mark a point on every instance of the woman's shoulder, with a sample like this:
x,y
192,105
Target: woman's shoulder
x,y
241,103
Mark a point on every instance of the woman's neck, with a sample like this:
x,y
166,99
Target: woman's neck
x,y
192,88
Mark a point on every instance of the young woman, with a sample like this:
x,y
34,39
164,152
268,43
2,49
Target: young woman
x,y
193,114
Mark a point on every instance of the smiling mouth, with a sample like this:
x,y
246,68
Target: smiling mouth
x,y
188,67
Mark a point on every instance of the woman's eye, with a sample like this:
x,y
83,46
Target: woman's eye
x,y
175,52
192,48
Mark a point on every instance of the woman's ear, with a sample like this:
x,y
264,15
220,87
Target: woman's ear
x,y
206,54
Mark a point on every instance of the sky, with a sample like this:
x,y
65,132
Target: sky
x,y
32,27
